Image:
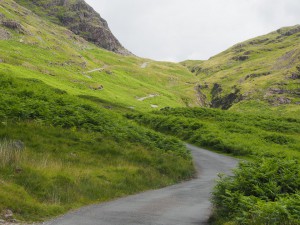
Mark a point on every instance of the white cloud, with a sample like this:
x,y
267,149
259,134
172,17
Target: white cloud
x,y
192,29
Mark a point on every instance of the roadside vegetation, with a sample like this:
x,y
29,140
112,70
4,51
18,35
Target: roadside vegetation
x,y
265,187
65,143
59,102
263,191
59,152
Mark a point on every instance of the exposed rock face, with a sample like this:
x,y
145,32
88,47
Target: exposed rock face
x,y
202,99
80,18
13,25
224,102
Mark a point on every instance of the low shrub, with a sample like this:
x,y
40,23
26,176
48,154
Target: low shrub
x,y
265,191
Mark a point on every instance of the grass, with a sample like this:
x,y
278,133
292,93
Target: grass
x,y
65,143
271,62
79,149
265,188
61,59
230,132
77,152
63,169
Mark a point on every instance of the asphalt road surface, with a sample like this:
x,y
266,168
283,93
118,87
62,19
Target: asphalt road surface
x,y
182,204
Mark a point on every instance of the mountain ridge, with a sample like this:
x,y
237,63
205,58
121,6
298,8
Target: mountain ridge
x,y
263,71
80,18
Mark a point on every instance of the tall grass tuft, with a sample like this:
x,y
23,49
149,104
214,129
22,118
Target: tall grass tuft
x,y
10,152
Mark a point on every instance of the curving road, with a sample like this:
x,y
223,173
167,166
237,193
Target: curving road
x,y
182,204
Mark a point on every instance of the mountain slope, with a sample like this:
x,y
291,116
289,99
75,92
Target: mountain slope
x,y
35,48
261,72
63,143
79,17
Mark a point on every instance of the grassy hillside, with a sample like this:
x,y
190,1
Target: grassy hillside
x,y
265,188
63,143
78,17
59,151
261,74
36,48
229,132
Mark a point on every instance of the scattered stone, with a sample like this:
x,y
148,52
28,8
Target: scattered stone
x,y
241,58
280,101
7,214
154,106
108,72
144,65
256,75
248,52
13,25
149,96
258,41
295,76
83,65
277,91
74,155
4,34
19,145
202,86
97,88
108,107
18,170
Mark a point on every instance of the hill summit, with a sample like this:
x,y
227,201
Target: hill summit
x,y
80,18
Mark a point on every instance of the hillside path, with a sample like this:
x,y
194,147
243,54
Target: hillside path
x,y
186,203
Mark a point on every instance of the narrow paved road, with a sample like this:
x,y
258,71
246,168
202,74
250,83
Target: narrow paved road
x,y
182,204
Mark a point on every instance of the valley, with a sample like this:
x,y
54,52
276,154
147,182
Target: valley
x,y
84,121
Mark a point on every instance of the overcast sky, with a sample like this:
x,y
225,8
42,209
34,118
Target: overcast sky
x,y
176,30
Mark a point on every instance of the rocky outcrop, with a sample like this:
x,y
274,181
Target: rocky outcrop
x,y
202,99
290,32
224,102
80,18
13,25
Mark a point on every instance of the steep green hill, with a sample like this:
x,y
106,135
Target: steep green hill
x,y
259,74
32,47
64,139
63,143
80,18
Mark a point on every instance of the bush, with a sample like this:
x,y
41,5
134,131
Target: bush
x,y
260,192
